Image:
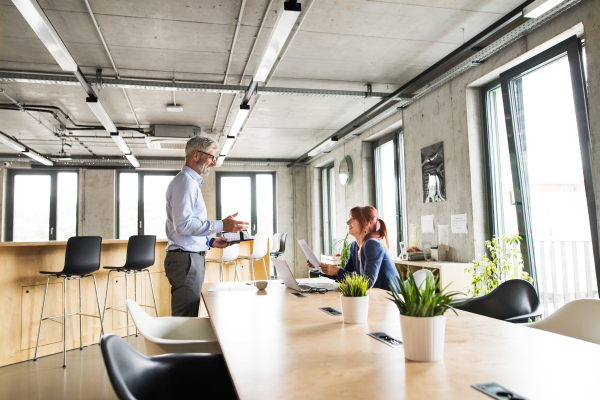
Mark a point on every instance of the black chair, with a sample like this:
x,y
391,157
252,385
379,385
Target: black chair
x,y
168,376
280,251
140,257
515,300
82,257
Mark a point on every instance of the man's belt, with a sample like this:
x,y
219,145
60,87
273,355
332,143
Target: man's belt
x,y
202,253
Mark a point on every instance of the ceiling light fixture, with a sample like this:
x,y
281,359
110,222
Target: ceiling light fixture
x,y
120,142
134,161
220,160
12,143
239,120
35,156
174,108
539,7
279,35
322,148
101,114
36,18
227,146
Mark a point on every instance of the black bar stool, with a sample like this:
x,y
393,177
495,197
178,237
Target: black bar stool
x,y
140,257
82,257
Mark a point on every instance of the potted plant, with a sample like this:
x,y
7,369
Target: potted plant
x,y
344,246
354,298
505,262
422,317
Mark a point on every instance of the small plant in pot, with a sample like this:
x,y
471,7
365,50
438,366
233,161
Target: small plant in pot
x,y
354,298
422,317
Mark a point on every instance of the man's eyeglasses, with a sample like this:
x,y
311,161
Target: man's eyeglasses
x,y
212,158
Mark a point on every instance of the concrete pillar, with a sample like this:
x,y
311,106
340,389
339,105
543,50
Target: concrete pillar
x,y
97,191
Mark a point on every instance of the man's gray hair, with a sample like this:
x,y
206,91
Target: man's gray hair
x,y
200,143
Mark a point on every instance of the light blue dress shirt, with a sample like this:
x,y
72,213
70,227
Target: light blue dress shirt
x,y
187,227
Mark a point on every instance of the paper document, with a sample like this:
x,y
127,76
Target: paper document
x,y
443,235
458,223
427,223
414,236
314,261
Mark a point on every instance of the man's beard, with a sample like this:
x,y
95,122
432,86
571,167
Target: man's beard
x,y
204,169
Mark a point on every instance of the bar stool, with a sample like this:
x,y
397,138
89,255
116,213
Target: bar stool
x,y
230,255
140,257
260,248
82,257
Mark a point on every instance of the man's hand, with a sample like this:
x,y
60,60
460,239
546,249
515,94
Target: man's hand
x,y
231,225
221,243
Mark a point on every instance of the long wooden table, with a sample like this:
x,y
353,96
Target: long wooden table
x,y
278,346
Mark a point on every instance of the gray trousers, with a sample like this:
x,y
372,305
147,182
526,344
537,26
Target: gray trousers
x,y
185,272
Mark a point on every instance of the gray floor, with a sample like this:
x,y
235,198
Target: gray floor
x,y
84,377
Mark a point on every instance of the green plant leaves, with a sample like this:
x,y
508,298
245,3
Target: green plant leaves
x,y
354,285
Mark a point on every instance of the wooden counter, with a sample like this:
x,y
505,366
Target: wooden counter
x,y
452,274
277,346
22,289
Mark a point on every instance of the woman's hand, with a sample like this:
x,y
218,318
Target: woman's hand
x,y
327,269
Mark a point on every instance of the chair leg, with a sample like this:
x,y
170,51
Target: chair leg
x,y
221,270
41,319
135,295
237,277
80,318
265,265
98,302
251,268
126,309
105,300
152,289
65,323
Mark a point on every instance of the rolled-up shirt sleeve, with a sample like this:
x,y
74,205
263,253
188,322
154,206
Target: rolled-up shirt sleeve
x,y
184,221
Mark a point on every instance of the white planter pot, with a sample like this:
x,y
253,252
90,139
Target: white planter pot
x,y
423,338
355,309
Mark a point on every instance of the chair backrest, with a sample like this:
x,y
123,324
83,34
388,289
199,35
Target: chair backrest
x,y
511,299
82,255
140,251
421,277
282,241
230,253
275,243
579,319
260,245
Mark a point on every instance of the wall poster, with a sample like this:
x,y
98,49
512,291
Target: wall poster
x,y
432,167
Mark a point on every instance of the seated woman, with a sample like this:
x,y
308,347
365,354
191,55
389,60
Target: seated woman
x,y
368,255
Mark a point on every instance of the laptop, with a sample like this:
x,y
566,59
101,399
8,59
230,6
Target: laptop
x,y
290,282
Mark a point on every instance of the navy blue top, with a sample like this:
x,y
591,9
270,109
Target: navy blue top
x,y
376,264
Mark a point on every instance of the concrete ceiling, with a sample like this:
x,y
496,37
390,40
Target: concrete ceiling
x,y
342,44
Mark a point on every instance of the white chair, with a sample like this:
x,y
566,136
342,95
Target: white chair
x,y
275,243
579,319
421,277
230,255
260,247
174,334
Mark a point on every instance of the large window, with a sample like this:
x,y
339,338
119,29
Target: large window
x,y
141,203
389,187
328,208
251,195
539,171
41,205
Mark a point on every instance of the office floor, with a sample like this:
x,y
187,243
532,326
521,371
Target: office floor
x,y
84,377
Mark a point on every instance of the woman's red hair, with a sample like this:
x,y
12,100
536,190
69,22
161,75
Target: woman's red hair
x,y
367,218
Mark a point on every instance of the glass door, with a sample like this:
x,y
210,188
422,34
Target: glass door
x,y
550,154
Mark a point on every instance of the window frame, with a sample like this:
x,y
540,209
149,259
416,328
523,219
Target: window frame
x,y
141,224
10,199
253,208
330,184
399,179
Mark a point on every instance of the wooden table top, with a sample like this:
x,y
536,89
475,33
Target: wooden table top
x,y
278,346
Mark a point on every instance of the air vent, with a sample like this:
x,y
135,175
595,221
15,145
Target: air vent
x,y
171,137
168,145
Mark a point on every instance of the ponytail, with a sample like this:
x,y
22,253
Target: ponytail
x,y
382,232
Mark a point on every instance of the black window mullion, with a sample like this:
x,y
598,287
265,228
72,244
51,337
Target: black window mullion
x,y
253,209
140,204
53,204
10,207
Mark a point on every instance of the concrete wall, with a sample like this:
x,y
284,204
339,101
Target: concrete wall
x,y
97,190
452,114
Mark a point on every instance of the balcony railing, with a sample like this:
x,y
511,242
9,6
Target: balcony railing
x,y
565,272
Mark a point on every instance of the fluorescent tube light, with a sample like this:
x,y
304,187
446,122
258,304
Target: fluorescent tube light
x,y
220,160
539,7
120,142
239,120
35,16
12,143
322,148
38,158
101,114
227,146
133,160
283,26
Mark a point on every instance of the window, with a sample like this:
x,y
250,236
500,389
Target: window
x,y
389,187
41,205
141,203
251,195
539,172
328,208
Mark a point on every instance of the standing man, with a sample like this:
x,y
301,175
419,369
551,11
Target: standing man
x,y
188,229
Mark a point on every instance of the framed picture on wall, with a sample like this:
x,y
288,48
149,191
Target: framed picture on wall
x,y
432,167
